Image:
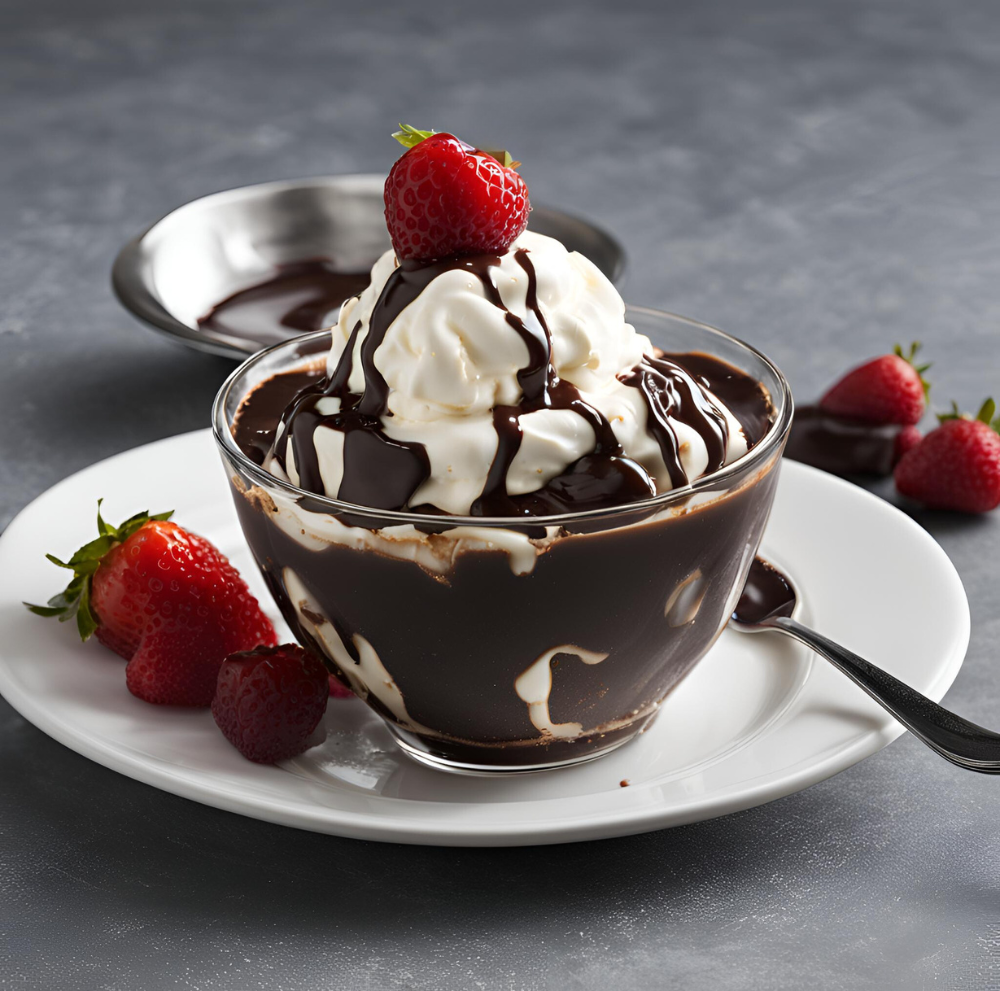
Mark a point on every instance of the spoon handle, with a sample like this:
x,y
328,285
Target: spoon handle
x,y
954,738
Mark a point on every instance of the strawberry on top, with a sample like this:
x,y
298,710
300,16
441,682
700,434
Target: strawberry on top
x,y
443,197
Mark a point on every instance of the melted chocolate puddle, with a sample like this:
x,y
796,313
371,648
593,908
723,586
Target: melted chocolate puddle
x,y
767,593
842,445
260,413
301,297
736,389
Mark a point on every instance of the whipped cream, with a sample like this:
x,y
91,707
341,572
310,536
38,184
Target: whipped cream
x,y
452,355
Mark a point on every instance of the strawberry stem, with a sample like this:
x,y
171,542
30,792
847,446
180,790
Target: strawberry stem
x,y
74,600
985,415
953,414
503,157
410,137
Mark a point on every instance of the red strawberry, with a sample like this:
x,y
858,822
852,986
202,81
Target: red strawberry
x,y
444,197
957,465
164,599
269,701
884,390
906,440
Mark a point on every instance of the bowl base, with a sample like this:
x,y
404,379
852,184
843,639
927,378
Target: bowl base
x,y
417,749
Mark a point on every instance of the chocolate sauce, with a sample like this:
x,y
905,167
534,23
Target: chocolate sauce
x,y
455,643
378,471
842,445
261,411
384,473
600,479
605,477
535,378
669,391
300,297
767,593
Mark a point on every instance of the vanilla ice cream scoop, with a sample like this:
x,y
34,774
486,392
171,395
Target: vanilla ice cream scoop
x,y
499,385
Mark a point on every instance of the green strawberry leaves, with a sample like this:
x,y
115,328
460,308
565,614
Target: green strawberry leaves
x,y
505,158
986,414
410,137
908,357
953,414
74,600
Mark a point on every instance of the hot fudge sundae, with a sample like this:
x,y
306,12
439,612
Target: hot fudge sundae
x,y
508,520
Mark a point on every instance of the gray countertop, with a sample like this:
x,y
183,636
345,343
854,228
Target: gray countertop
x,y
820,178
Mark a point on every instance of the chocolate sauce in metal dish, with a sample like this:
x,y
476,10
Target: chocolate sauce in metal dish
x,y
523,645
299,297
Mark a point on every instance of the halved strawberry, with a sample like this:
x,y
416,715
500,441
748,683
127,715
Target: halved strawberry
x,y
166,600
270,700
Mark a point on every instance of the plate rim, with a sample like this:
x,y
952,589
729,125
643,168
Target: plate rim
x,y
207,788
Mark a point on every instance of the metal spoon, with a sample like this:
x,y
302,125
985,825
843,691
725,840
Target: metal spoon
x,y
766,604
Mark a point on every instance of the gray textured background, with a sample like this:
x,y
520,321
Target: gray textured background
x,y
822,178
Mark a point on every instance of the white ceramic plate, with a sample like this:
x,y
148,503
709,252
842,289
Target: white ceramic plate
x,y
759,718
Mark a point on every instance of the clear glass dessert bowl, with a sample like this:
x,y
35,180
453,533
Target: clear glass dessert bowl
x,y
493,645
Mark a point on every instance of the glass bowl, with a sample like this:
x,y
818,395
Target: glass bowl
x,y
494,645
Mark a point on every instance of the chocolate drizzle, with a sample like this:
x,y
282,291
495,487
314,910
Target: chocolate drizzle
x,y
385,474
740,392
671,393
536,377
378,471
604,477
259,414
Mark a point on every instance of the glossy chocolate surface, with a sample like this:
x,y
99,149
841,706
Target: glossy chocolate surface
x,y
652,595
261,411
385,473
595,481
842,445
767,593
300,297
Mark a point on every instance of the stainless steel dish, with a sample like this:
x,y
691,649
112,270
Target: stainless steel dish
x,y
172,275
